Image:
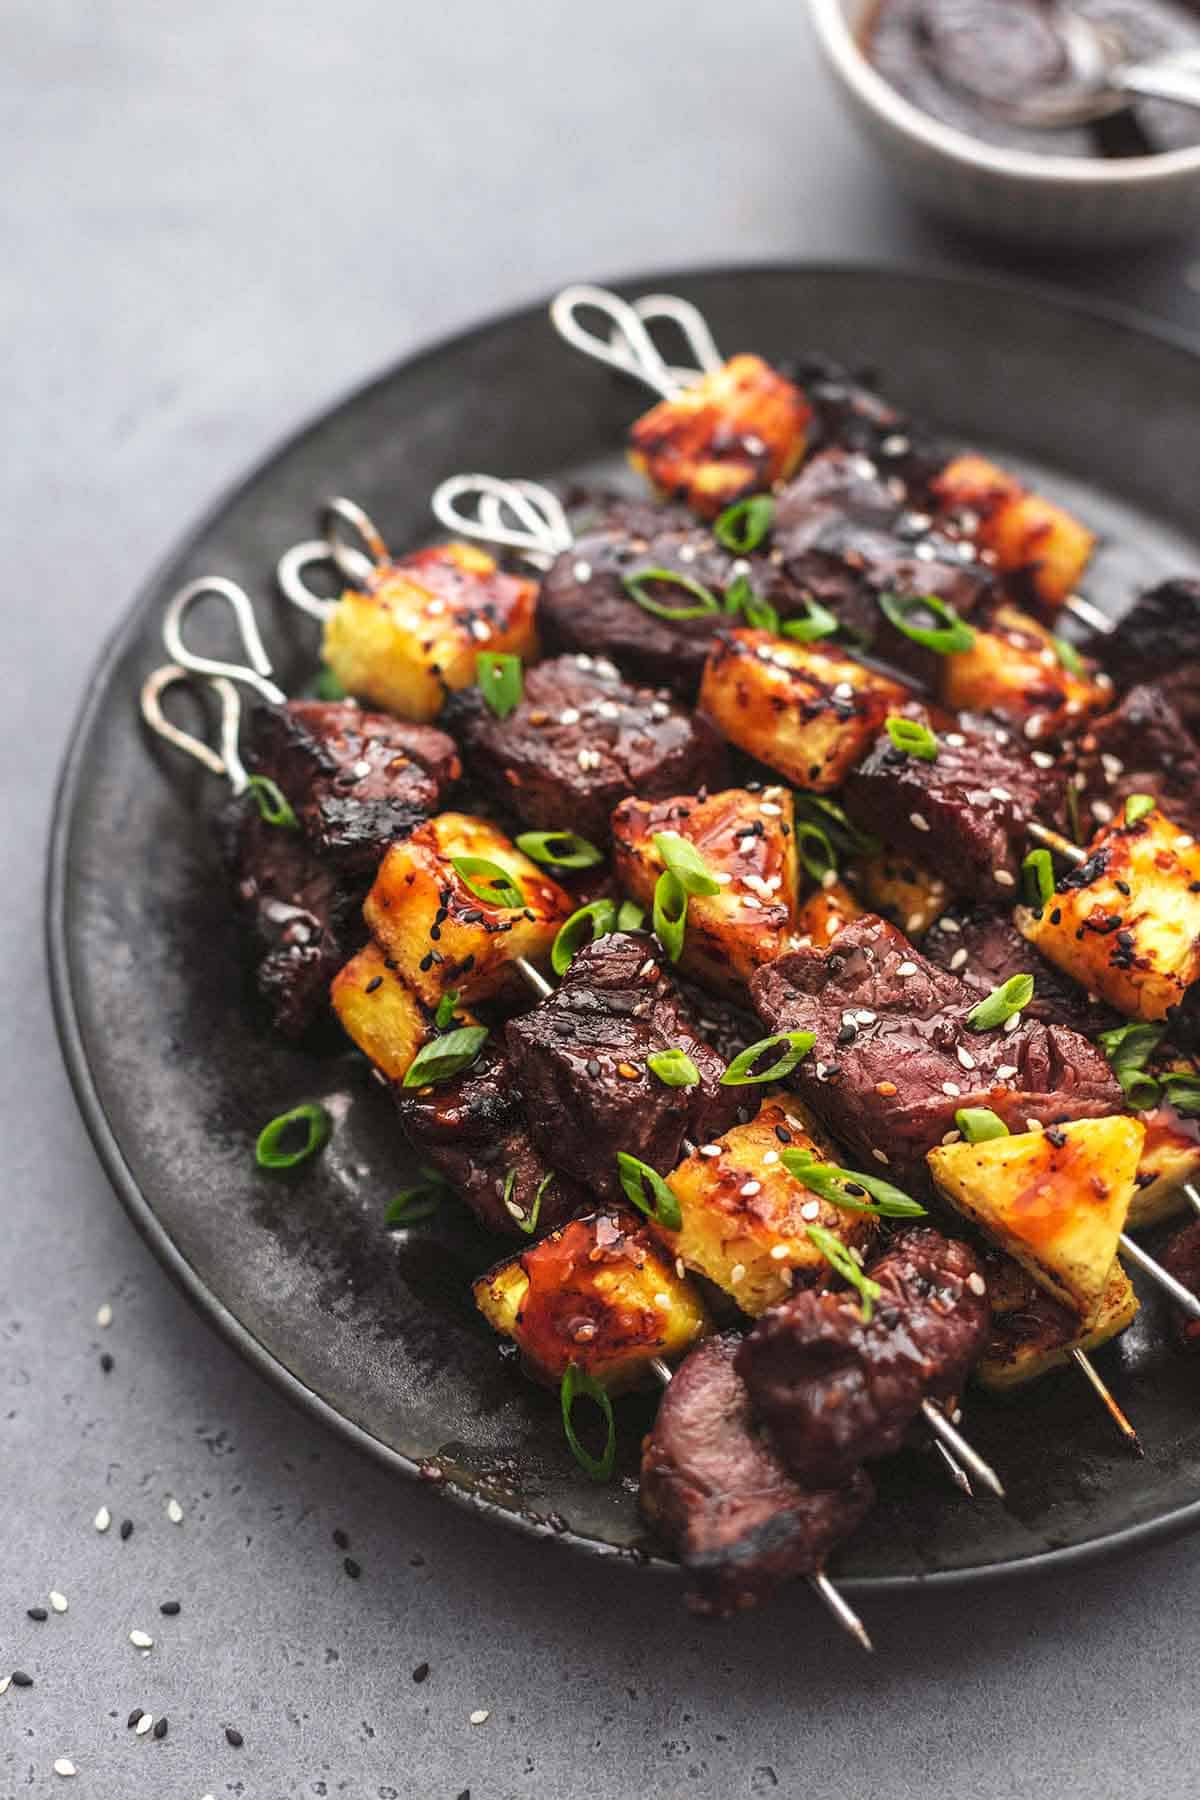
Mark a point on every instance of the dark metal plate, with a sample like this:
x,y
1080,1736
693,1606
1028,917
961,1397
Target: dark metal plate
x,y
374,1332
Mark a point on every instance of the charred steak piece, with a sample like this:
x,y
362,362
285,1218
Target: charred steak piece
x,y
1182,1258
852,415
894,1056
965,815
579,1058
834,1391
473,1130
982,946
1141,747
581,740
714,1487
1158,640
354,779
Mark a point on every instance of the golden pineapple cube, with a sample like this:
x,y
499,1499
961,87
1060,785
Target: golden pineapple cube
x,y
735,431
1031,1334
1022,530
825,912
899,889
442,933
745,1218
1014,671
1126,924
748,842
599,1293
1057,1200
381,1013
807,712
413,634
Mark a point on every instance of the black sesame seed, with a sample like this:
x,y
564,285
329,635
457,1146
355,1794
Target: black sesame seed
x,y
847,1033
421,1672
133,1718
353,1569
1122,887
783,1134
377,981
341,1539
170,1608
106,1362
126,1530
21,1679
234,1737
426,963
160,1727
39,1613
1056,916
1056,1136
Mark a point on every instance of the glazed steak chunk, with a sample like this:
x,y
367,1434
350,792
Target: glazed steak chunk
x,y
354,779
582,739
965,813
579,1058
982,946
1158,640
895,1058
714,1487
1141,747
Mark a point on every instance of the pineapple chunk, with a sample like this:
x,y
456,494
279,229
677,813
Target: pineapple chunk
x,y
901,890
1022,530
381,1012
413,634
1170,1156
598,1293
734,432
440,934
809,713
754,1245
748,837
1057,1199
1013,671
825,912
1031,1335
1126,924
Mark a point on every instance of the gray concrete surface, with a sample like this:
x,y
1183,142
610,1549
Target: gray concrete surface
x,y
214,218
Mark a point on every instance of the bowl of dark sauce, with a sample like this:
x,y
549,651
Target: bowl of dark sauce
x,y
935,83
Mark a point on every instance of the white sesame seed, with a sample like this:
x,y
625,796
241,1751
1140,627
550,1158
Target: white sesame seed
x,y
583,661
609,670
906,968
786,1277
918,821
737,1274
999,793
1033,1124
481,631
959,957
1184,843
753,904
770,809
4,1681
570,715
1041,759
723,877
748,1189
480,1716
141,1640
976,1283
64,1766
955,739
103,1519
772,1156
710,1149
1006,1071
966,1060
739,567
582,571
104,1316
951,1137
1011,1024
843,691
952,1088
1102,812
925,553
1004,878
663,1302
951,925
778,1252
680,1267
362,768
58,1601
608,709
864,1017
913,923
686,553
144,1724
880,1156
811,1209
174,1511
660,710
896,445
829,880
1033,725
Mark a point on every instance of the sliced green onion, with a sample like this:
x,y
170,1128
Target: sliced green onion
x,y
326,686
979,1123
839,1258
526,1222
685,863
815,850
268,1150
273,803
818,622
841,828
1068,656
947,638
566,849
1037,872
741,1071
743,526
760,615
1141,1091
1137,806
443,1018
636,1177
1181,1090
487,881
913,738
445,1056
703,602
575,1382
1004,1002
414,1203
670,913
500,679
630,916
838,1186
737,594
674,1068
585,925
1130,1046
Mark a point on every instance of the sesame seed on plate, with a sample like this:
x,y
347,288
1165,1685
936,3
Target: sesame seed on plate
x,y
160,1728
811,1209
104,1316
144,1724
64,1766
174,1511
58,1601
480,1716
4,1681
103,1519
141,1640
918,821
976,1283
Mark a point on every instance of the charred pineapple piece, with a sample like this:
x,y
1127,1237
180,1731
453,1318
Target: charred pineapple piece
x,y
413,634
599,1293
901,890
748,842
381,1013
1057,1199
745,1218
1031,1334
734,432
441,932
825,912
1025,533
1014,671
1170,1155
809,713
1126,923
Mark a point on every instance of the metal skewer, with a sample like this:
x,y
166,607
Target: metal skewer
x,y
1123,1424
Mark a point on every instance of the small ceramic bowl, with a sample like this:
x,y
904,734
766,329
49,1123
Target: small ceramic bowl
x,y
1050,201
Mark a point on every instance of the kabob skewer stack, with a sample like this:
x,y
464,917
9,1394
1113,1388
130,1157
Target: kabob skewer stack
x,y
805,750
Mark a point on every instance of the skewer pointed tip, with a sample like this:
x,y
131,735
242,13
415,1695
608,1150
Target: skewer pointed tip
x,y
963,1453
841,1609
1123,1424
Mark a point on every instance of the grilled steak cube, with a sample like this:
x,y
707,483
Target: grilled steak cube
x,y
1182,1258
598,1292
715,1490
807,712
1030,537
1158,640
733,432
474,1132
894,1056
354,779
1014,672
579,741
1140,747
381,1013
579,1058
748,844
412,635
982,946
745,1219
431,909
852,415
1031,1334
1056,1200
966,813
1126,923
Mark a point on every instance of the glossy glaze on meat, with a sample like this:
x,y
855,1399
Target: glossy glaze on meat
x,y
1141,747
1158,640
982,946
